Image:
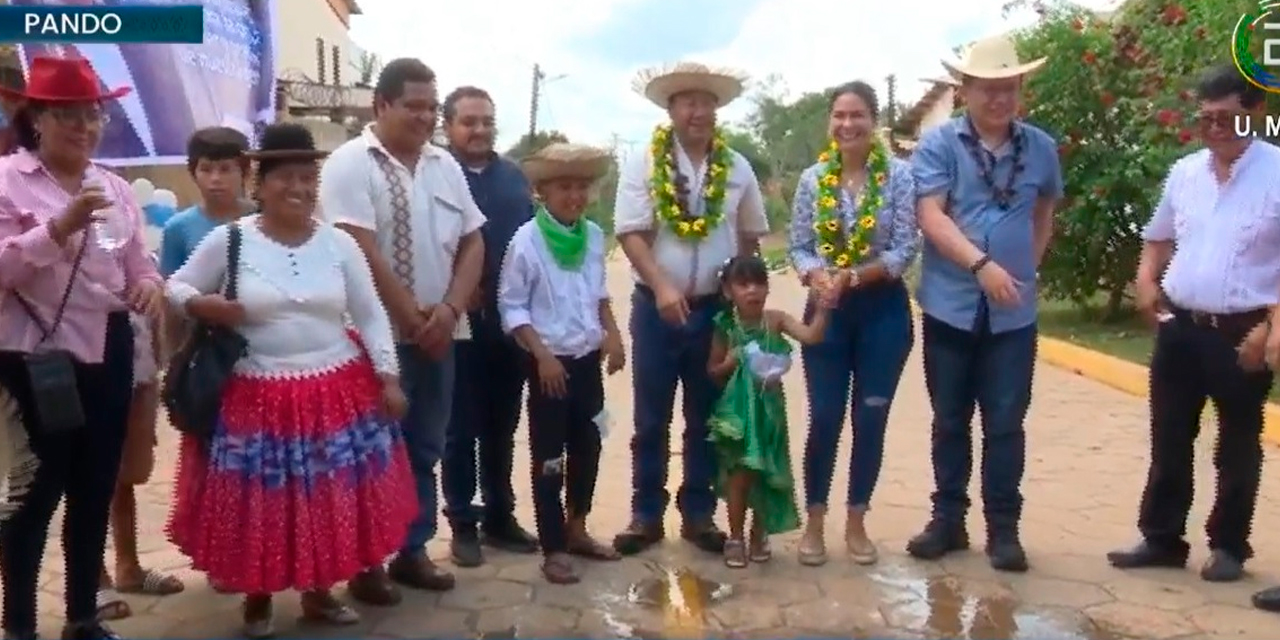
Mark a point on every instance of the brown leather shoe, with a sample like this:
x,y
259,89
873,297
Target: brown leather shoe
x,y
637,537
557,568
419,572
373,587
704,535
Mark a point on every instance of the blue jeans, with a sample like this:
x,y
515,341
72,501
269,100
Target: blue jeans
x,y
663,355
428,384
868,339
992,372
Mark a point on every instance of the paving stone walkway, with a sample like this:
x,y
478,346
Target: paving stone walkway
x,y
1086,464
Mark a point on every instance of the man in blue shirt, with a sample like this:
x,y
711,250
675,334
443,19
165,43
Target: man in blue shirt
x,y
216,161
988,185
490,367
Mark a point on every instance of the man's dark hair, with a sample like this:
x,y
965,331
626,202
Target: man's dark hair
x,y
1225,80
396,74
450,107
858,88
217,143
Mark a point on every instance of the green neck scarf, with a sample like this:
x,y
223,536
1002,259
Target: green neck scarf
x,y
568,245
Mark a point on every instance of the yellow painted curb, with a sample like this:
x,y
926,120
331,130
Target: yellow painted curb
x,y
1126,376
1121,374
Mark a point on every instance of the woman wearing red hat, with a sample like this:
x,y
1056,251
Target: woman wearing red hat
x,y
73,263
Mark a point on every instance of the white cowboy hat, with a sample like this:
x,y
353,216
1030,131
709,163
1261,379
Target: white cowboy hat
x,y
992,59
659,84
567,160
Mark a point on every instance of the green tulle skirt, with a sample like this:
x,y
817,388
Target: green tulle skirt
x,y
748,430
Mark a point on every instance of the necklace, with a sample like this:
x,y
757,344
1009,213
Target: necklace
x,y
842,247
670,188
986,161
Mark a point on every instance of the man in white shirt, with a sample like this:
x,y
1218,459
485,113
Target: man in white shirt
x,y
683,209
1209,274
407,204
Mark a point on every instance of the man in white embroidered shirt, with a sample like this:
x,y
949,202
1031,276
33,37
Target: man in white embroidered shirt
x,y
683,208
1211,297
407,204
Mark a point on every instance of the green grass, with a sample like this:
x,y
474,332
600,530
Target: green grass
x,y
1127,338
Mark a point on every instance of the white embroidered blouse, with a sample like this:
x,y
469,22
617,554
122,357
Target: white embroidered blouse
x,y
296,299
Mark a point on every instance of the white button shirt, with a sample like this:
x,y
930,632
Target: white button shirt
x,y
354,191
1227,236
562,306
691,266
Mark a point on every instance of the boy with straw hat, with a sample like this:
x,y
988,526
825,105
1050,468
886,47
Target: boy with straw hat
x,y
987,184
684,208
552,299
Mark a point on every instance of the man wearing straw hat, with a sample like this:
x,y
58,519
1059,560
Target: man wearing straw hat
x,y
988,184
684,207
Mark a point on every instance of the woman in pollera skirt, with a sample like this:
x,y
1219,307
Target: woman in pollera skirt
x,y
306,481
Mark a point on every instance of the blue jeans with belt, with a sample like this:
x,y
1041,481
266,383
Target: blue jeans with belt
x,y
992,372
868,339
663,355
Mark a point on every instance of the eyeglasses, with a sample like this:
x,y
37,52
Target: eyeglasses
x,y
1221,119
79,115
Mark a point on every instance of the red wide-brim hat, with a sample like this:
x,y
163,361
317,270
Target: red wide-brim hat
x,y
63,80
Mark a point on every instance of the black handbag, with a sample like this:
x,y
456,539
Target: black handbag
x,y
52,373
198,372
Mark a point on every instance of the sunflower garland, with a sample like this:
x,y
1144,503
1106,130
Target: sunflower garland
x,y
671,203
843,248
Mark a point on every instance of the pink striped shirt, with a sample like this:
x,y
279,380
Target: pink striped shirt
x,y
37,267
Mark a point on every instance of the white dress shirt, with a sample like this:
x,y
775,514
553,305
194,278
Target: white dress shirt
x,y
563,306
295,316
692,266
1227,236
354,191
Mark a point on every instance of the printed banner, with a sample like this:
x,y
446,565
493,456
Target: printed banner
x,y
227,80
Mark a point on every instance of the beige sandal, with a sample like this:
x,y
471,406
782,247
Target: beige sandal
x,y
326,609
759,550
813,549
735,554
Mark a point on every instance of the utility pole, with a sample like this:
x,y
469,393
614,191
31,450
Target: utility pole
x,y
891,114
538,77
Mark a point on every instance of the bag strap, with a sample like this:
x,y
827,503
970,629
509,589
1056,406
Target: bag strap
x,y
47,331
235,239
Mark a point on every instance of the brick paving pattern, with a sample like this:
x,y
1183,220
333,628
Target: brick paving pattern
x,y
1086,463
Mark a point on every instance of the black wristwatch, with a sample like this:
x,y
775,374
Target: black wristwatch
x,y
979,264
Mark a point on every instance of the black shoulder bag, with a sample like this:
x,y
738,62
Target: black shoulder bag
x,y
198,373
52,373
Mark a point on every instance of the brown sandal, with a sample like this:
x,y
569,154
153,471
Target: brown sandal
x,y
557,568
588,547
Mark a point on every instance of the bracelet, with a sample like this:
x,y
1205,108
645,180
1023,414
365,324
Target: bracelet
x,y
979,264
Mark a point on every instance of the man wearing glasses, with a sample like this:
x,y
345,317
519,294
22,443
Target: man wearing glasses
x,y
1209,276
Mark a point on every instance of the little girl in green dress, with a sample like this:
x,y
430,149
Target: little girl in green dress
x,y
748,428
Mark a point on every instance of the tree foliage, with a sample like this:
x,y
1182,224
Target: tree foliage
x,y
1116,93
528,145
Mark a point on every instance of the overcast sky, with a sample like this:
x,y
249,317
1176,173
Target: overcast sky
x,y
599,45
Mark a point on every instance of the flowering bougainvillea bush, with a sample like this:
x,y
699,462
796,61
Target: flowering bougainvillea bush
x,y
1116,93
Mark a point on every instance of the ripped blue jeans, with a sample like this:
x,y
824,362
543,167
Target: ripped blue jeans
x,y
866,345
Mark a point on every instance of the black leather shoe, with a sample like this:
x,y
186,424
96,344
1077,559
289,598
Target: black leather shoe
x,y
704,535
16,635
638,537
508,535
464,549
1221,567
938,539
1146,555
95,631
1268,600
1005,553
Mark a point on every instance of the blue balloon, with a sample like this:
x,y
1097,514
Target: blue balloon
x,y
158,214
